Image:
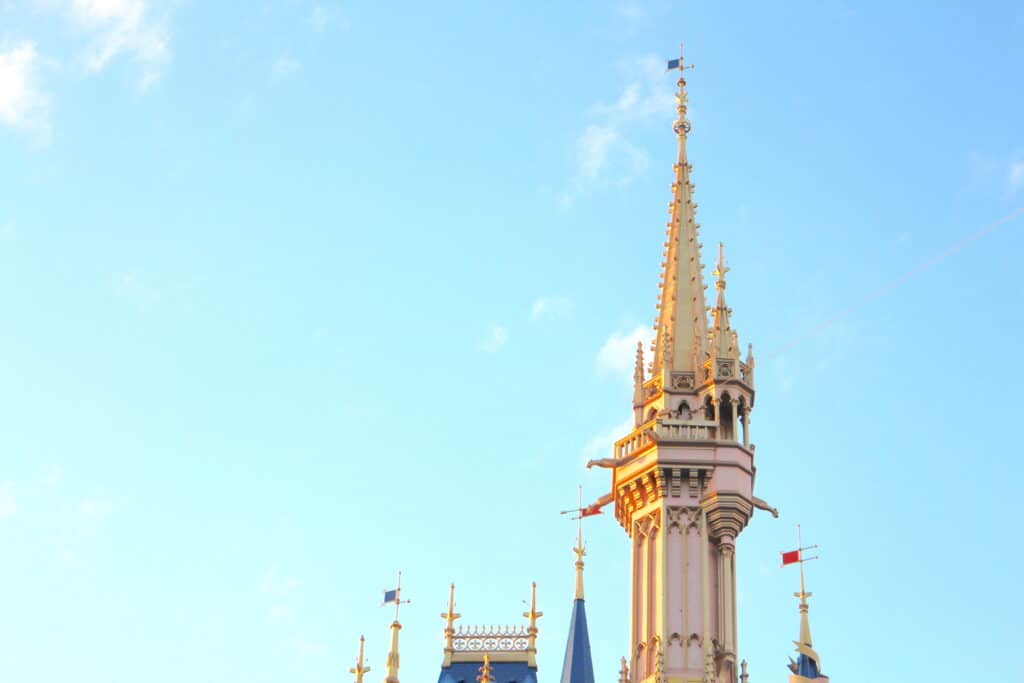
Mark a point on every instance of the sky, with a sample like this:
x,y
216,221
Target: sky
x,y
295,295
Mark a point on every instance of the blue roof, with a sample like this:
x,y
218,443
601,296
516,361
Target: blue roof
x,y
806,667
503,672
578,666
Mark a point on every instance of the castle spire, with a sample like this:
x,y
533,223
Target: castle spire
x,y
449,626
638,385
359,670
723,337
579,550
578,666
531,630
395,596
807,666
680,344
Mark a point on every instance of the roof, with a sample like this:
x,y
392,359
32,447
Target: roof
x,y
578,666
503,672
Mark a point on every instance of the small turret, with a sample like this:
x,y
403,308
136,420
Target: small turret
x,y
359,670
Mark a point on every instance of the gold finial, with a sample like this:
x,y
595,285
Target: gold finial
x,y
579,550
804,645
720,269
449,628
531,630
486,676
391,675
359,670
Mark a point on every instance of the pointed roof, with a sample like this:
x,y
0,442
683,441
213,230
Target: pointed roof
x,y
724,343
578,666
681,339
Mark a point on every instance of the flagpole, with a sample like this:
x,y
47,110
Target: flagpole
x,y
800,544
398,594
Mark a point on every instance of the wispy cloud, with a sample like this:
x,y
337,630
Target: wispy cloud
x,y
617,355
325,17
23,105
551,307
1015,175
8,506
604,153
600,445
496,338
120,27
285,68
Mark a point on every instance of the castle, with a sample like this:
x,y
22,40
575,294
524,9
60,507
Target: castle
x,y
682,488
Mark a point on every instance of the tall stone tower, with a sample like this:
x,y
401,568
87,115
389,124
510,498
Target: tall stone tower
x,y
683,478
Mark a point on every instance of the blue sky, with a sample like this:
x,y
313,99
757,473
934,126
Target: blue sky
x,y
297,294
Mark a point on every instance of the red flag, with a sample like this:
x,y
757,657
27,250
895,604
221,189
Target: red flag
x,y
590,510
790,557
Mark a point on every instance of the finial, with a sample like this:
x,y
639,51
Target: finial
x,y
531,630
486,676
579,550
449,628
359,669
743,671
804,646
720,269
623,671
392,659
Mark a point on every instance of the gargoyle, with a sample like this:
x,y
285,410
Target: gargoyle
x,y
761,505
610,463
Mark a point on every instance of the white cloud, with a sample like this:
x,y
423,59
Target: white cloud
x,y
323,17
8,506
285,68
618,353
604,155
551,307
54,476
94,508
1015,175
22,103
649,94
496,338
119,27
278,586
600,445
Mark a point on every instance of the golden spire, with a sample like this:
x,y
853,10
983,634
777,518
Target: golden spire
x,y
723,338
392,659
449,628
579,550
531,630
359,669
486,676
680,343
638,384
804,645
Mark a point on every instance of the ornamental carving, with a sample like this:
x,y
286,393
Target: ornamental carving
x,y
682,380
725,368
491,639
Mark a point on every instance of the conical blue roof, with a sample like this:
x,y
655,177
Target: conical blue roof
x,y
578,666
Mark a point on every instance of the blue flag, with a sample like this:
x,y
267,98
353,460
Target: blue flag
x,y
390,596
672,64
